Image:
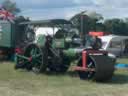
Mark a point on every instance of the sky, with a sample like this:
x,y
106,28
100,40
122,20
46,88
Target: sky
x,y
51,9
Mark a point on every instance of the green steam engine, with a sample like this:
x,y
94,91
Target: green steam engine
x,y
55,53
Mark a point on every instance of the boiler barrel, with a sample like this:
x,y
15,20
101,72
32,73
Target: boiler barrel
x,y
72,52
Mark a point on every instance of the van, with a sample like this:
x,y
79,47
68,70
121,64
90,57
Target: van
x,y
117,45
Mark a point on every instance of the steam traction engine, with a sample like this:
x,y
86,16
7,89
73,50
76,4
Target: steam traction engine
x,y
55,53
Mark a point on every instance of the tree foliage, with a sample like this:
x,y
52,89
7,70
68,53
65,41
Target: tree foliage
x,y
86,21
116,26
92,22
10,6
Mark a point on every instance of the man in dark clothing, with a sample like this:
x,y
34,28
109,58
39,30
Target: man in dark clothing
x,y
97,43
94,42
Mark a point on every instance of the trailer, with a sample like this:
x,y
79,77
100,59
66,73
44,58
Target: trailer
x,y
13,36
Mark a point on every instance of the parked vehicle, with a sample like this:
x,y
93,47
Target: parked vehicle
x,y
117,45
13,36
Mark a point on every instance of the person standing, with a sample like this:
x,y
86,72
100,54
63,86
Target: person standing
x,y
97,43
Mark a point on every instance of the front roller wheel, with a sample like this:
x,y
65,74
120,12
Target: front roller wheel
x,y
36,55
87,74
103,65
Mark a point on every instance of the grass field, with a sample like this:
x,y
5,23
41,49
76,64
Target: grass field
x,y
22,83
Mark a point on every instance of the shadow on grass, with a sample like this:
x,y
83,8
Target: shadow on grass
x,y
119,79
116,79
69,73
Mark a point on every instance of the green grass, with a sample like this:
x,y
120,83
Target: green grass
x,y
122,60
22,83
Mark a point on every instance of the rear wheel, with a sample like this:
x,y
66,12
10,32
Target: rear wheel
x,y
36,54
21,63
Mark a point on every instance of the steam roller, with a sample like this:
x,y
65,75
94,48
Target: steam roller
x,y
56,53
91,64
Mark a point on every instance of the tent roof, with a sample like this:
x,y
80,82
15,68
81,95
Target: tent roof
x,y
48,23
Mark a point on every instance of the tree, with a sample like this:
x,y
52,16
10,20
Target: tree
x,y
100,27
116,26
10,6
87,19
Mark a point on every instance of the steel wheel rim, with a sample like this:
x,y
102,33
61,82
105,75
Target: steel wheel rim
x,y
90,74
35,53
